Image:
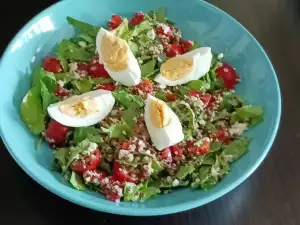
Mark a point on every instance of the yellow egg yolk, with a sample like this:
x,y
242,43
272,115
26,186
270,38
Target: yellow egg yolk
x,y
114,52
177,67
81,107
158,114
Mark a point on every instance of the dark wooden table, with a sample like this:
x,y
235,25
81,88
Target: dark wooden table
x,y
270,196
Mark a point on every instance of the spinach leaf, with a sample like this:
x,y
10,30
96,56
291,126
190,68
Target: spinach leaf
x,y
32,111
65,77
48,78
148,68
83,27
195,46
90,133
70,51
101,80
198,85
83,86
63,63
161,95
230,102
46,97
235,149
130,115
250,114
184,171
77,182
119,130
143,26
61,156
126,99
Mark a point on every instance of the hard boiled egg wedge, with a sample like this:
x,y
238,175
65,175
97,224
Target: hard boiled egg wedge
x,y
83,110
182,69
117,58
162,123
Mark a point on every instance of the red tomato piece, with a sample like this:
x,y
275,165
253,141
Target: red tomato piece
x,y
114,22
185,45
125,145
61,91
113,189
94,176
82,68
108,87
173,50
96,69
120,173
171,97
204,97
87,162
200,149
146,87
137,19
56,133
176,152
228,74
164,30
166,154
52,64
222,136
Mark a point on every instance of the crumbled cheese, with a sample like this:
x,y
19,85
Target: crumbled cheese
x,y
220,56
169,179
73,67
92,147
197,180
161,86
175,183
214,172
129,157
61,83
165,28
122,153
151,34
237,129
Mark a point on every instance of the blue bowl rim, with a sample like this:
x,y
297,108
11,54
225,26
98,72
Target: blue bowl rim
x,y
157,210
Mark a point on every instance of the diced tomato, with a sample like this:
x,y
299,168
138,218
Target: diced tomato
x,y
222,136
113,189
108,87
166,32
52,64
114,22
204,97
82,68
176,152
146,87
185,45
125,145
200,149
171,97
94,176
56,133
120,173
137,19
61,91
166,154
173,50
96,69
87,162
228,74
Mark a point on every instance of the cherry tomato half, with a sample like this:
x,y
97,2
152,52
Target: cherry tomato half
x,y
87,162
96,69
108,87
120,173
52,64
114,22
173,50
137,19
228,74
56,133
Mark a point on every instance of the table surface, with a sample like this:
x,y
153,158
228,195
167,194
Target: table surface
x,y
270,196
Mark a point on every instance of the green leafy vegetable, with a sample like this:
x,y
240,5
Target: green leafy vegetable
x,y
126,99
235,149
250,114
46,97
142,192
161,95
48,78
198,85
77,182
231,101
70,51
83,85
90,133
134,48
130,115
122,30
143,26
63,62
32,111
184,171
75,151
204,178
61,156
215,146
83,27
194,46
148,68
119,130
148,192
160,14
65,77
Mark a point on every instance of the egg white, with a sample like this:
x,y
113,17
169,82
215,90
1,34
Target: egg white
x,y
167,136
128,77
104,100
202,58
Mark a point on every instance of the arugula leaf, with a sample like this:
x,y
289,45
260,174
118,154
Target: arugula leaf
x,y
142,192
70,51
161,95
63,63
133,47
148,68
195,46
204,178
215,146
250,114
83,85
46,97
184,171
230,101
235,149
77,182
119,130
198,85
101,80
75,151
126,99
61,156
83,27
32,111
65,77
90,133
122,30
143,26
217,84
148,192
130,115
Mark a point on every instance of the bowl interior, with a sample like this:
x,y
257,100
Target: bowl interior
x,y
199,21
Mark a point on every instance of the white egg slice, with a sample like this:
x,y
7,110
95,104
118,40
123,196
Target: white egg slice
x,y
185,68
117,58
83,110
162,123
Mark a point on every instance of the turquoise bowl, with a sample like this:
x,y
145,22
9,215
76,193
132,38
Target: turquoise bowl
x,y
199,21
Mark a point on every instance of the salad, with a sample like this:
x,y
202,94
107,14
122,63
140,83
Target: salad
x,y
134,110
